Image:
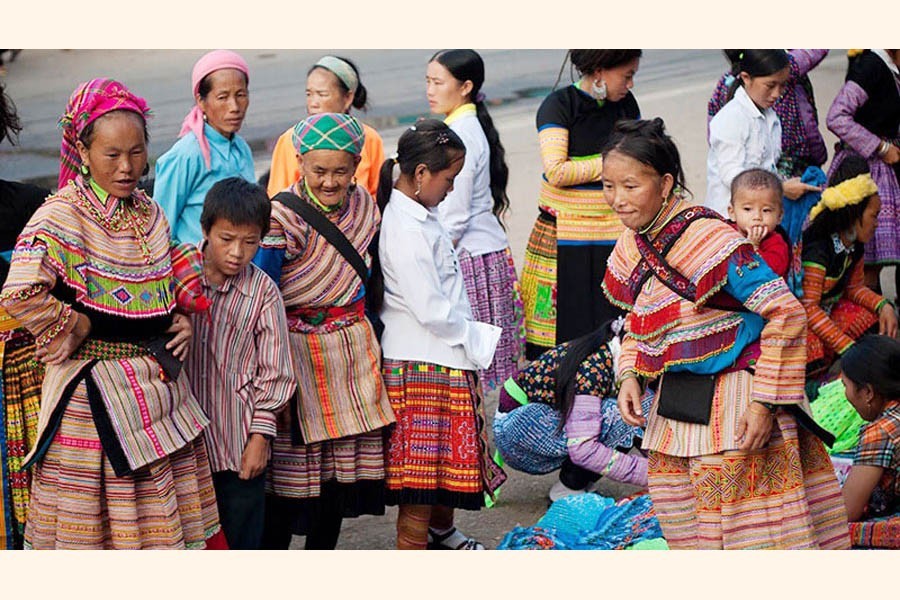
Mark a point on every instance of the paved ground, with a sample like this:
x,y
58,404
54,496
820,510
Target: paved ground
x,y
674,85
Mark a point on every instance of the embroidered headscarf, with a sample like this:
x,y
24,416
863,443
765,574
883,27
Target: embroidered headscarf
x,y
329,131
847,193
88,102
209,63
341,69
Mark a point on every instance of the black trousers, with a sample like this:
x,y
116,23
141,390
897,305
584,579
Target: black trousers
x,y
242,505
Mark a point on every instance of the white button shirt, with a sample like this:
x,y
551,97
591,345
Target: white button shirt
x,y
467,211
426,313
741,137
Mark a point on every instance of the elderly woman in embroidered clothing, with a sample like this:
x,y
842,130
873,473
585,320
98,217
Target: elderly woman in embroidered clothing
x,y
333,85
210,148
328,462
119,459
839,306
728,465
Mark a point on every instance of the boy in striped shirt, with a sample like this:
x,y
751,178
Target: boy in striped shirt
x,y
239,364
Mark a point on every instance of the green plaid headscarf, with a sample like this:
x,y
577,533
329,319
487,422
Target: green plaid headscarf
x,y
329,131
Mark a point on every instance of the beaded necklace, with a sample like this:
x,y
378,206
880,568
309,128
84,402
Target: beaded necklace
x,y
129,213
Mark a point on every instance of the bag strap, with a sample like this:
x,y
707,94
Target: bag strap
x,y
328,230
653,258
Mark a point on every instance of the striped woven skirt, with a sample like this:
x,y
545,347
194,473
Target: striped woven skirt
x,y
77,501
539,287
493,292
785,496
438,452
853,319
883,532
20,399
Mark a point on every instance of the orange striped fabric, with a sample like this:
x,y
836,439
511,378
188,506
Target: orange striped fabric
x,y
816,285
784,496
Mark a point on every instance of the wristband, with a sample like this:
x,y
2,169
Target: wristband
x,y
629,374
770,407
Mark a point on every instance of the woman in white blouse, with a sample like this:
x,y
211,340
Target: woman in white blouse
x,y
438,458
746,133
472,210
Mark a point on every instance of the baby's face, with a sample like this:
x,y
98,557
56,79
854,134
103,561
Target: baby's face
x,y
756,206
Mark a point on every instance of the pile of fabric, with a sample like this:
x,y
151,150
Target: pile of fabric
x,y
835,414
591,522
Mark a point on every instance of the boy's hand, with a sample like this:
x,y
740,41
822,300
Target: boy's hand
x,y
255,456
757,233
179,345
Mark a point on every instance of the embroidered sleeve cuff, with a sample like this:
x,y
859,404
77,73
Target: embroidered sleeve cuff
x,y
264,423
63,326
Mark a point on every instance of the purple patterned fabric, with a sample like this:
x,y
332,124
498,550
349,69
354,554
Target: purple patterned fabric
x,y
885,247
491,288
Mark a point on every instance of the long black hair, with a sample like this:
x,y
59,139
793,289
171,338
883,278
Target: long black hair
x,y
10,125
874,360
756,63
429,142
844,218
361,95
589,61
647,142
467,65
576,353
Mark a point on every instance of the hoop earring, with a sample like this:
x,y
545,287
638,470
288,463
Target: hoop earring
x,y
418,189
84,170
599,91
205,119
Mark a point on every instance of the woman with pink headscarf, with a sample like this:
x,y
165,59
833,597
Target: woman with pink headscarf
x,y
210,148
119,457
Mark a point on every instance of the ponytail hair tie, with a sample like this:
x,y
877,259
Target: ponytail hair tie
x,y
479,97
741,56
395,158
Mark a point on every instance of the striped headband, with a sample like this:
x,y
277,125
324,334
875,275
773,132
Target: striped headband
x,y
341,69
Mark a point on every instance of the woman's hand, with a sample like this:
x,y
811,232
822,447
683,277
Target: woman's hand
x,y
754,428
64,345
794,188
179,345
630,402
892,156
887,320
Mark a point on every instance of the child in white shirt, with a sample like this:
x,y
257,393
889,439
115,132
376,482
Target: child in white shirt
x,y
746,133
438,458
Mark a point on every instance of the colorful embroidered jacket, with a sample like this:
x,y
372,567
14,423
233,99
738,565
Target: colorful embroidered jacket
x,y
665,332
111,259
324,298
832,272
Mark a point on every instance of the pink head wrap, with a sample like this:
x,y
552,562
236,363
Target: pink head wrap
x,y
88,102
209,63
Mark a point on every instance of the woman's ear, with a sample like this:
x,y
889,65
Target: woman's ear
x,y
466,89
82,152
668,184
421,168
300,163
356,161
745,78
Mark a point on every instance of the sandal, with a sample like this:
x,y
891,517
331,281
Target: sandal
x,y
437,541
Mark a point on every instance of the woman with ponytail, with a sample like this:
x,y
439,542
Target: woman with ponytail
x,y
472,211
871,375
576,230
333,85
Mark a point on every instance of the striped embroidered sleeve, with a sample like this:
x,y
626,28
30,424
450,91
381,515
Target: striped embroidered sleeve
x,y
559,169
26,294
858,292
274,379
628,357
781,367
819,321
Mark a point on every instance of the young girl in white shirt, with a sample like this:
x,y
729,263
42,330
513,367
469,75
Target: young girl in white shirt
x,y
438,458
746,133
472,211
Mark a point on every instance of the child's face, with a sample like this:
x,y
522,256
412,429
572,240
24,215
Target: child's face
x,y
229,248
863,398
765,90
865,229
435,186
755,206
